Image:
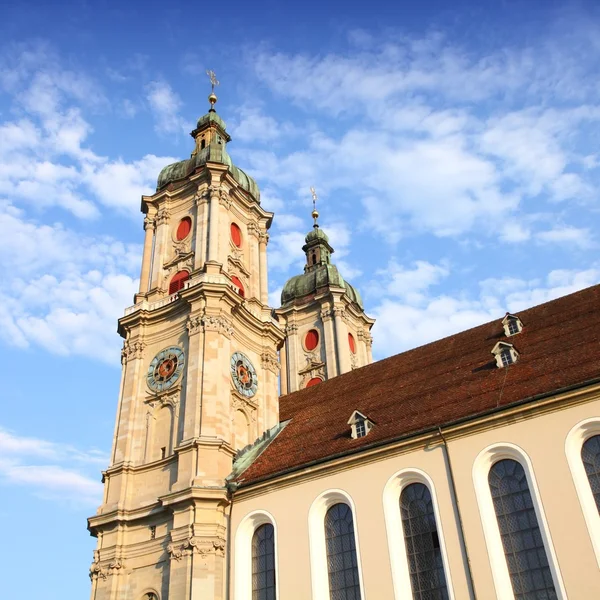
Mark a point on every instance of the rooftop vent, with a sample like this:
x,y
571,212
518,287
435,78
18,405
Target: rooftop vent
x,y
505,354
360,424
512,325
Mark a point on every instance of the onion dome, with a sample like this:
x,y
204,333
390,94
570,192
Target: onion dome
x,y
319,273
211,139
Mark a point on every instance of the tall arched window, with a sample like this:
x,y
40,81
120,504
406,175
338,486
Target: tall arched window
x,y
342,564
526,557
590,455
427,577
263,563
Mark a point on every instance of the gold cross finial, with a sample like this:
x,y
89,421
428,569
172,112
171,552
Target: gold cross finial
x,y
212,98
315,212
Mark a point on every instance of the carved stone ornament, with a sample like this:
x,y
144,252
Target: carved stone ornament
x,y
368,339
196,324
149,223
270,362
162,216
224,198
263,238
196,545
201,196
291,329
338,311
253,229
100,571
131,350
326,314
353,361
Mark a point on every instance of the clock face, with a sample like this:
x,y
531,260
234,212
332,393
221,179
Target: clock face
x,y
165,369
243,375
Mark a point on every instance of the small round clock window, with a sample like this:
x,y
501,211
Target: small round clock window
x,y
311,341
352,343
236,235
184,228
314,381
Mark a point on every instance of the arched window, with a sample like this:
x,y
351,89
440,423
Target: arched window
x,y
526,557
177,281
590,455
342,564
427,577
263,563
236,281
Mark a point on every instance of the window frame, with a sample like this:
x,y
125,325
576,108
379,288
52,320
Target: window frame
x,y
395,530
317,545
489,521
243,553
577,436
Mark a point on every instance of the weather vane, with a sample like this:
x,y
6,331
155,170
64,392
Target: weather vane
x,y
212,98
315,212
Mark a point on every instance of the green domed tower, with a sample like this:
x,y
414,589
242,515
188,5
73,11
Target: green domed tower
x,y
327,330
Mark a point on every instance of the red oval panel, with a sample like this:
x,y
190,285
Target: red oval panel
x,y
352,343
237,282
177,281
184,228
314,381
311,341
236,235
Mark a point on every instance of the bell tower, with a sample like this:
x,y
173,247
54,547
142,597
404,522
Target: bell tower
x,y
199,379
327,330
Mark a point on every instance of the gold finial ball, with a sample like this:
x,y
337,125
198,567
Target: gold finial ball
x,y
212,98
315,214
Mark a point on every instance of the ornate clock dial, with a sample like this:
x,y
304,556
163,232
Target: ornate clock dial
x,y
243,375
165,369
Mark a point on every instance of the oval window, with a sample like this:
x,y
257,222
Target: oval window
x,y
352,343
236,235
177,281
184,228
311,341
240,285
314,381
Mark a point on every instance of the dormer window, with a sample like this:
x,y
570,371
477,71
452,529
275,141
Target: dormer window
x,y
505,354
361,425
512,325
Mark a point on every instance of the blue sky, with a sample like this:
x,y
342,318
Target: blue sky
x,y
455,153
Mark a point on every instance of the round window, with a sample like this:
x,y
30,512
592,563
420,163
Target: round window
x,y
314,381
183,229
236,235
352,343
311,340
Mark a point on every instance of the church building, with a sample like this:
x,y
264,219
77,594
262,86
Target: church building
x,y
260,454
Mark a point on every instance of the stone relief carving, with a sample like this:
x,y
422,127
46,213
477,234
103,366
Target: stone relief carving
x,y
291,329
253,229
162,216
326,314
270,362
103,571
224,198
196,324
149,223
131,350
196,545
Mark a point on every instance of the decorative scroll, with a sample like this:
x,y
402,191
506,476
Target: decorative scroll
x,y
162,216
196,324
131,350
196,545
270,362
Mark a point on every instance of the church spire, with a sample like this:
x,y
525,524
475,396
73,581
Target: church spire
x,y
212,97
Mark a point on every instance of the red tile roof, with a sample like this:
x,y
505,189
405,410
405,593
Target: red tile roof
x,y
439,383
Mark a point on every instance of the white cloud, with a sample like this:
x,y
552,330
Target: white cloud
x,y
573,236
63,291
165,105
54,477
418,319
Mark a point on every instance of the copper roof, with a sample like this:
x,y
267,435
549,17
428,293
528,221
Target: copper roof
x,y
439,383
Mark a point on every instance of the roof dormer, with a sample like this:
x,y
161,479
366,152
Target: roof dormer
x,y
360,424
512,325
505,354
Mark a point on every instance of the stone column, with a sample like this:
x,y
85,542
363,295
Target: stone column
x,y
330,349
341,338
160,248
264,286
149,228
253,241
213,240
291,332
283,376
195,376
369,343
201,232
